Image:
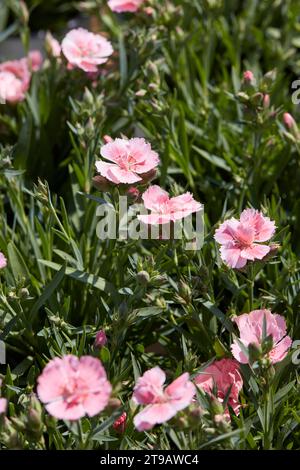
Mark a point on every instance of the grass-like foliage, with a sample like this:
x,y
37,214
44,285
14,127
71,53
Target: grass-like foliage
x,y
176,78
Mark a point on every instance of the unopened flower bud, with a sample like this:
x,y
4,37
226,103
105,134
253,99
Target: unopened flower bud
x,y
52,46
120,423
257,99
269,78
248,78
18,423
23,12
100,340
184,290
133,193
107,139
34,420
266,101
217,406
289,122
24,293
143,278
141,93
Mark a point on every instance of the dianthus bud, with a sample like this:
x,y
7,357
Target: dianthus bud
x,y
269,78
52,46
100,340
248,79
120,423
289,121
141,93
143,278
23,12
266,101
133,193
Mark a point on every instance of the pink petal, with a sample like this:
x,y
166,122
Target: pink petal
x,y
231,255
155,197
226,232
181,392
154,414
60,410
281,350
149,386
95,403
255,252
113,150
155,219
238,353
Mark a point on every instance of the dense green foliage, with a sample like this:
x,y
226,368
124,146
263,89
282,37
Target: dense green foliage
x,y
62,284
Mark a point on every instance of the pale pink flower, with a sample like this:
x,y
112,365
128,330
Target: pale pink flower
x,y
35,60
162,404
14,80
250,326
218,378
165,209
122,6
101,339
86,50
128,160
11,89
3,261
241,240
73,387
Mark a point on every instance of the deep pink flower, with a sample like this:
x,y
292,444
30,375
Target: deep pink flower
x,y
128,160
122,6
86,50
162,404
219,377
165,209
73,387
241,239
250,326
11,89
3,262
35,60
101,339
